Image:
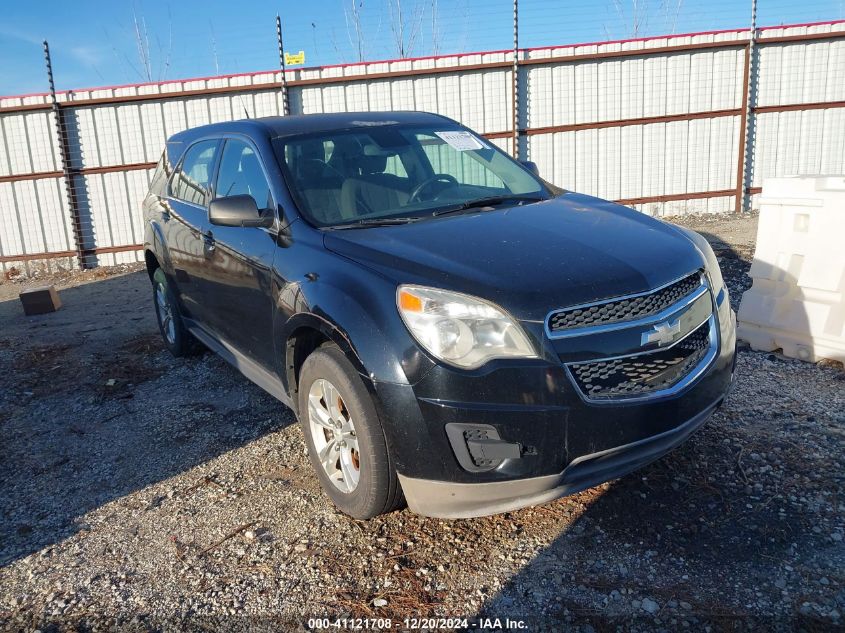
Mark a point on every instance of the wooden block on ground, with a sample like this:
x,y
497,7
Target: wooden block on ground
x,y
40,300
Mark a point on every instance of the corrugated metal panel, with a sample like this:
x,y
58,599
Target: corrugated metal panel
x,y
50,204
40,135
795,143
641,160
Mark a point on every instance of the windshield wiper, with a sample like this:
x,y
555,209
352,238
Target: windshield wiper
x,y
486,202
375,222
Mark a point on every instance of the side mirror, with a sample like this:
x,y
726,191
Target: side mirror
x,y
531,166
237,211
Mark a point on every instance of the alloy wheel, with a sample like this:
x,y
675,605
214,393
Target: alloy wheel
x,y
333,435
165,314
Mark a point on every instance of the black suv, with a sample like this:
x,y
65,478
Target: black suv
x,y
448,327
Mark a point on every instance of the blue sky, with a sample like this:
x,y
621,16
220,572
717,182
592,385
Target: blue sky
x,y
96,42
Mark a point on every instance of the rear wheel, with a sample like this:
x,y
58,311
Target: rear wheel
x,y
344,436
176,336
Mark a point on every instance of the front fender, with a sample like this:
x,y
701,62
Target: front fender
x,y
307,321
356,309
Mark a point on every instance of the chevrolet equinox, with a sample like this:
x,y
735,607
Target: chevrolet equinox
x,y
450,329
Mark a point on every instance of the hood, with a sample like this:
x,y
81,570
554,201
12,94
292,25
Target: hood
x,y
529,259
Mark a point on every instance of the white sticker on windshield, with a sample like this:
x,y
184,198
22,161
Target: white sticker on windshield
x,y
461,141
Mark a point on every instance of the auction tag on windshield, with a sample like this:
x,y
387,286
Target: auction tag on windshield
x,y
461,141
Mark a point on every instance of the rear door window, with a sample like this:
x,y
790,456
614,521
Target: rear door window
x,y
191,181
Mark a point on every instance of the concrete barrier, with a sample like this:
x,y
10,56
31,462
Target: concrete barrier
x,y
797,300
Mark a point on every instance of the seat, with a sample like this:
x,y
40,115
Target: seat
x,y
319,183
373,191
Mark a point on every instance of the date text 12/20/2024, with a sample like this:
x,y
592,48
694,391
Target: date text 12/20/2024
x,y
406,624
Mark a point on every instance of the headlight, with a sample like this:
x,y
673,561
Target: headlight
x,y
461,330
713,268
703,245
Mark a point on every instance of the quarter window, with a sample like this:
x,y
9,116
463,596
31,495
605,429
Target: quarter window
x,y
190,183
241,174
160,176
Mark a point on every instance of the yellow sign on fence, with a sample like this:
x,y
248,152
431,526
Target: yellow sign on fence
x,y
294,59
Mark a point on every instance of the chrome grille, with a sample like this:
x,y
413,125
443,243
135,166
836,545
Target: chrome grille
x,y
624,309
645,373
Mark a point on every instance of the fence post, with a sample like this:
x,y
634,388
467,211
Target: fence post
x,y
285,101
745,167
67,169
515,84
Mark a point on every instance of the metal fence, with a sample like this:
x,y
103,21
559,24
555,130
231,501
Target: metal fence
x,y
666,124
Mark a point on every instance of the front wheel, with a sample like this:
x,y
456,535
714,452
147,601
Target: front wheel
x,y
344,436
176,337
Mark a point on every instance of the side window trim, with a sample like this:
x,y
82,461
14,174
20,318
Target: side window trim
x,y
224,140
215,163
176,170
159,180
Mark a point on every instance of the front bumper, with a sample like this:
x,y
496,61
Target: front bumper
x,y
576,444
447,500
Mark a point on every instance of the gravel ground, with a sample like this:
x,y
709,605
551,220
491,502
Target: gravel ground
x,y
149,492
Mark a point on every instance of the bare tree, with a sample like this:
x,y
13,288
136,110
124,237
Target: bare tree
x,y
142,44
407,20
143,62
164,53
354,29
214,49
405,25
671,12
435,29
633,14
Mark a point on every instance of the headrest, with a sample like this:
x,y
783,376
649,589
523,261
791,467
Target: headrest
x,y
312,150
345,155
373,164
249,163
373,159
375,150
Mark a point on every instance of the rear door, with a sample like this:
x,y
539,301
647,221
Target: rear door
x,y
238,291
187,222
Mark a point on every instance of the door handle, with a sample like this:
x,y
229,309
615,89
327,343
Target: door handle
x,y
164,207
208,243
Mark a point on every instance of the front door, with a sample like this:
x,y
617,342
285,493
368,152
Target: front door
x,y
187,220
238,292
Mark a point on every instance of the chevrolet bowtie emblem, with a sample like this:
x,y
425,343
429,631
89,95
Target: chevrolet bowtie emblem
x,y
662,333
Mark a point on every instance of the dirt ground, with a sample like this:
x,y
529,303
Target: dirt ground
x,y
155,493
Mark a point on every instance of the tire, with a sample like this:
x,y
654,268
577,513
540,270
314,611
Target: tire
x,y
358,445
176,337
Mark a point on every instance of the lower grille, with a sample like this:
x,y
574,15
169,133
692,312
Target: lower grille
x,y
645,373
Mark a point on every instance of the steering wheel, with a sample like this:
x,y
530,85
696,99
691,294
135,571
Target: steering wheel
x,y
425,184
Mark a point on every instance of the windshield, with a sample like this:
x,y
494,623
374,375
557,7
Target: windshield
x,y
390,172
